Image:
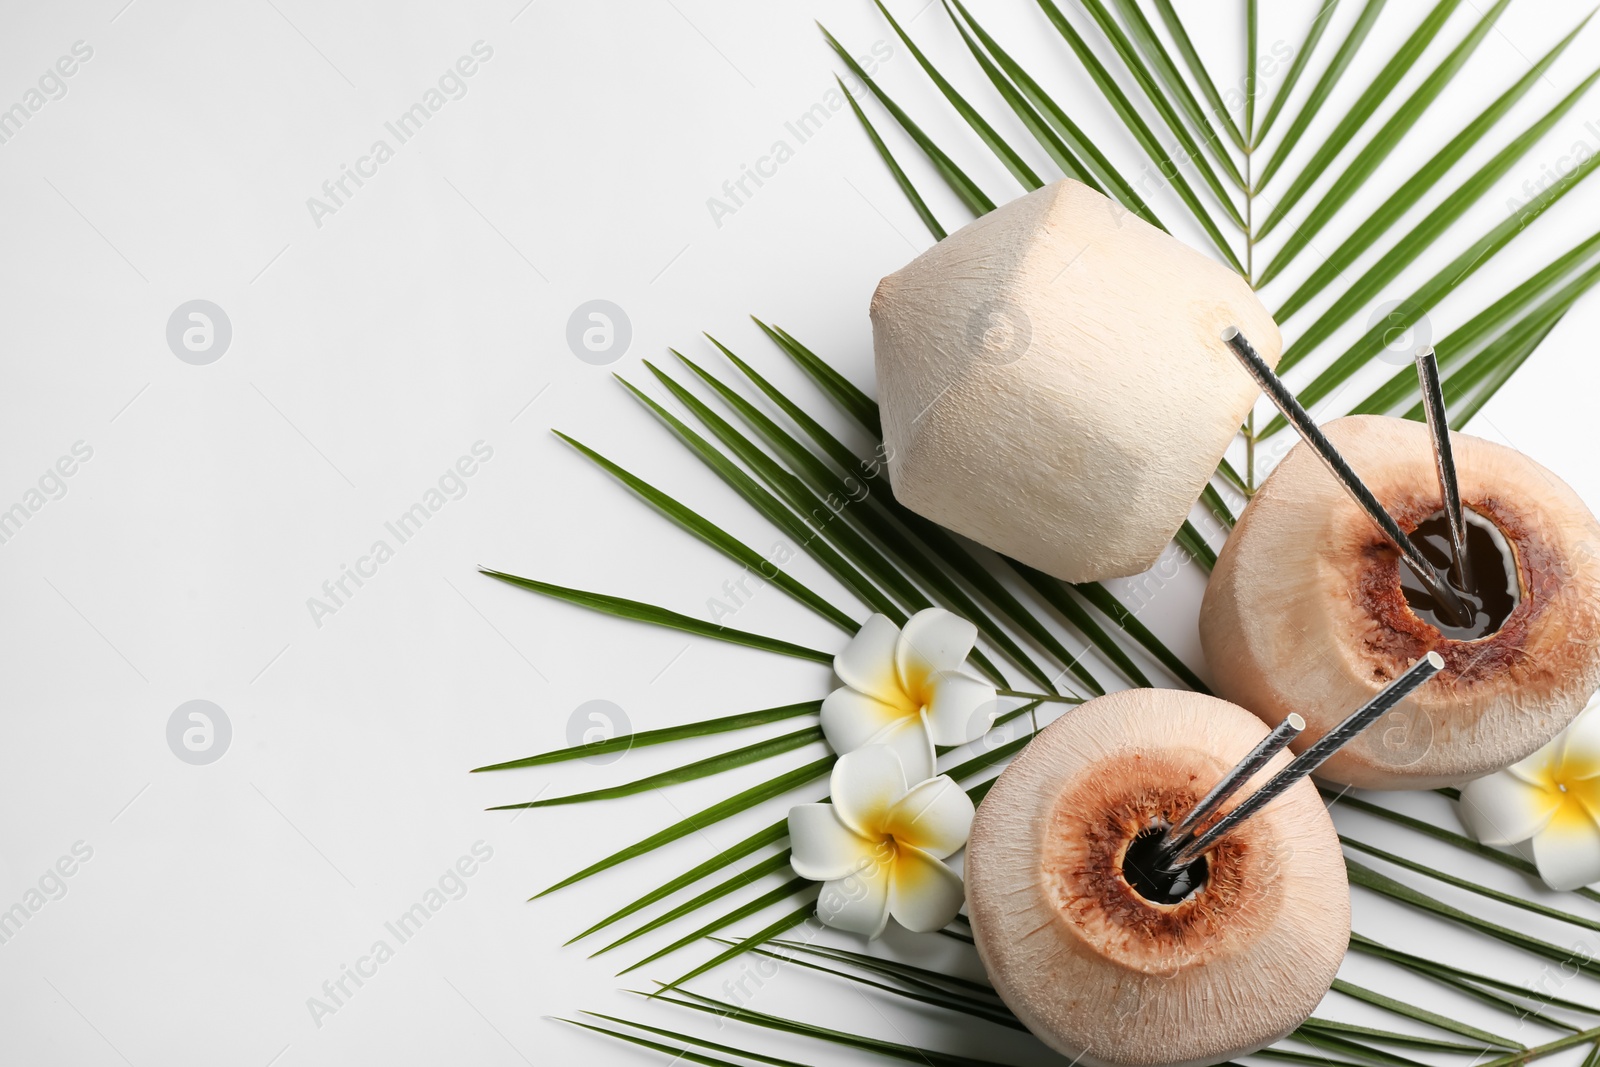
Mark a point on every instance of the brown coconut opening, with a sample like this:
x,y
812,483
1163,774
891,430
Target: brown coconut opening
x,y
1491,590
1100,872
1472,655
1143,871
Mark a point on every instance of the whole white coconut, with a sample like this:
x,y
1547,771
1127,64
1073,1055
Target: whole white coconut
x,y
1053,384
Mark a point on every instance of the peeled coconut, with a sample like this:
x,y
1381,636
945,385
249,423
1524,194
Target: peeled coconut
x,y
1102,960
1306,612
1053,384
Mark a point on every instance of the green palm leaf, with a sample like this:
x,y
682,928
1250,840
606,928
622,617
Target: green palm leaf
x,y
697,822
1035,123
681,1052
717,538
919,205
1430,229
773,864
1489,326
1004,152
1421,1015
732,854
891,1049
775,511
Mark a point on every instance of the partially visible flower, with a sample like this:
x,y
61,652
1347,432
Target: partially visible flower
x,y
905,689
1553,797
878,847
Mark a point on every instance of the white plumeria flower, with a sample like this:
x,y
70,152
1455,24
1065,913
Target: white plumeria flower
x,y
1553,797
878,847
905,689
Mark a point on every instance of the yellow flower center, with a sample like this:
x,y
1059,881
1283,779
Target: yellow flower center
x,y
1577,795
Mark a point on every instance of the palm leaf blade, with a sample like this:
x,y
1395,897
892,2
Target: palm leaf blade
x,y
701,819
716,537
702,768
1108,179
1141,132
641,612
1430,229
1197,151
627,742
919,205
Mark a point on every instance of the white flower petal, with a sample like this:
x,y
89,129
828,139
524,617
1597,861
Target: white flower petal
x,y
1538,768
960,708
1580,753
935,817
867,662
865,785
1568,850
851,719
822,846
924,894
910,741
1502,809
933,640
857,903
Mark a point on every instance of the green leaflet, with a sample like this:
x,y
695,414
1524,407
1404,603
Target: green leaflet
x,y
1421,1015
640,612
726,761
1107,177
1163,161
1043,132
1429,230
626,742
680,1053
919,205
717,538
744,801
1144,35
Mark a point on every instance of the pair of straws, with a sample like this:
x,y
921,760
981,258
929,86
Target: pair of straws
x,y
1181,845
1443,461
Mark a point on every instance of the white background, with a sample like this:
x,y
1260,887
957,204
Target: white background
x,y
370,352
